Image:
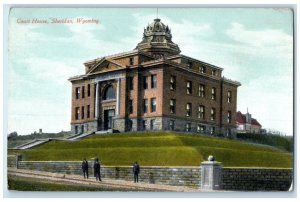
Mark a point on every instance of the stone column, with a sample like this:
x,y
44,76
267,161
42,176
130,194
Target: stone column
x,y
118,97
211,174
97,102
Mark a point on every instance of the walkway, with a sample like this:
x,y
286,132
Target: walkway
x,y
109,183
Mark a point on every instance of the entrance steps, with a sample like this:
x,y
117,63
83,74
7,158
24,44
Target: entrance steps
x,y
77,137
102,132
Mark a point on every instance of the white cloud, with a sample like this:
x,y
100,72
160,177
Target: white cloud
x,y
259,38
53,70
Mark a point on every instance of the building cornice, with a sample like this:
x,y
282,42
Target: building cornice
x,y
190,58
235,83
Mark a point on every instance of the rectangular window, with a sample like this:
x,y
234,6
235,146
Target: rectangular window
x,y
201,112
144,124
153,104
171,125
145,108
188,127
201,90
188,109
213,93
213,72
189,87
76,129
82,112
229,117
228,133
201,128
88,111
130,107
145,82
212,130
83,94
131,61
190,65
202,69
229,96
152,124
130,85
153,81
77,112
212,114
172,83
77,92
172,106
89,90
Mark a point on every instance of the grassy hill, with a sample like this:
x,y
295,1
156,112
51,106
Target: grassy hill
x,y
161,149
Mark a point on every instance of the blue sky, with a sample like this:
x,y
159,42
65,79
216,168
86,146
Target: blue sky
x,y
254,46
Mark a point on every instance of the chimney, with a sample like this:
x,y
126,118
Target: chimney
x,y
248,117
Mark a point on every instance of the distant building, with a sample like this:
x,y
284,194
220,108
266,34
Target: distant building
x,y
246,124
153,87
40,131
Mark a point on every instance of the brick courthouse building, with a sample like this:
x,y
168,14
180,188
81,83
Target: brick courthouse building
x,y
153,87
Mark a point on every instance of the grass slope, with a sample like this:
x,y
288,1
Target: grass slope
x,y
161,149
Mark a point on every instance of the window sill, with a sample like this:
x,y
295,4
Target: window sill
x,y
110,100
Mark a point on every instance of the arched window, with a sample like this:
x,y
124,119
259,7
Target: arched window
x,y
109,93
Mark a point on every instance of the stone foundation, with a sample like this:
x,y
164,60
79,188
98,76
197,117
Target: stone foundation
x,y
160,123
87,127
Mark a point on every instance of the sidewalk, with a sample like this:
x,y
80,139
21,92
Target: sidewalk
x,y
111,183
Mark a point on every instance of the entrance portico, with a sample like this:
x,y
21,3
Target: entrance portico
x,y
107,100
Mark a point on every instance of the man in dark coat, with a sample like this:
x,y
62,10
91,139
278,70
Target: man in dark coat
x,y
85,168
97,170
136,171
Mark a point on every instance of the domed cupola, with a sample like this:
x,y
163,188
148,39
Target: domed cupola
x,y
157,40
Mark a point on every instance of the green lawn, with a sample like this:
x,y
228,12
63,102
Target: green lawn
x,y
161,149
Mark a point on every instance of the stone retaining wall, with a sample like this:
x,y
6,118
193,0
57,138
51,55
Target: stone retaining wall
x,y
12,161
256,179
239,179
179,176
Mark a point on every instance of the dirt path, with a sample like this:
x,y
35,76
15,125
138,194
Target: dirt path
x,y
108,183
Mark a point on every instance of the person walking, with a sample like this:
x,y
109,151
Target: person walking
x,y
97,170
136,171
85,168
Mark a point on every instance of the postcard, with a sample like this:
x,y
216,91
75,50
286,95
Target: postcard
x,y
160,99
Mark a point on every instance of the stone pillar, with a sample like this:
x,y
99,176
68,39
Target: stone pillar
x,y
211,174
97,102
118,97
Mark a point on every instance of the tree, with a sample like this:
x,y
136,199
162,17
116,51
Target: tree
x,y
12,135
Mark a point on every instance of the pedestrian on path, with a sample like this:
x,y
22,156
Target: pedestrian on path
x,y
97,170
85,168
136,171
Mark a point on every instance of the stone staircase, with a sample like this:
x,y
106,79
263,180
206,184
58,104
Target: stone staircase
x,y
80,136
37,142
32,144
